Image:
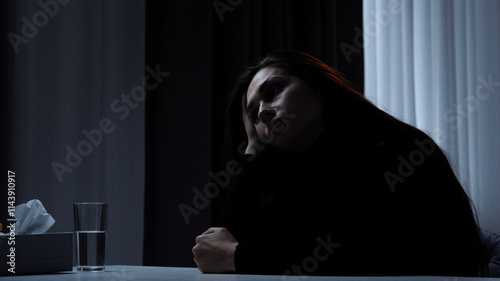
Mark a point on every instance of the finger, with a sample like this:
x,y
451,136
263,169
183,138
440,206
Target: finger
x,y
211,230
197,263
198,239
244,105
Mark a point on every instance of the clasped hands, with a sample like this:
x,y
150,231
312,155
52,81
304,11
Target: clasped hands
x,y
214,251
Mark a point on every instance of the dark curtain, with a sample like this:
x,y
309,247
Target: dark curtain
x,y
204,47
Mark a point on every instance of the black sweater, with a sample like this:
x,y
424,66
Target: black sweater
x,y
387,206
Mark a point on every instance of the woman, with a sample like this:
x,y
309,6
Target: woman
x,y
331,185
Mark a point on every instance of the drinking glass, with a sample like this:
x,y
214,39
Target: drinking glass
x,y
90,230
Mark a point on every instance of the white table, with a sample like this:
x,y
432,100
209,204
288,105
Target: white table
x,y
149,273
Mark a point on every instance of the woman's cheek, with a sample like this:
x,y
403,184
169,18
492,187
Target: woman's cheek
x,y
264,134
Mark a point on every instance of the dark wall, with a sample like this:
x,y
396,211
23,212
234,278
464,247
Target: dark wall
x,y
205,46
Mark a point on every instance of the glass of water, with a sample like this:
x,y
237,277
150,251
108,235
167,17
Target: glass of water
x,y
90,230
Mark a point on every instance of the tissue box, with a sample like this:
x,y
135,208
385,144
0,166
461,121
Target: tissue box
x,y
36,253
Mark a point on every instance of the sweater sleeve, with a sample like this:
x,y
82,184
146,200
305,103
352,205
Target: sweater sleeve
x,y
240,198
302,252
319,254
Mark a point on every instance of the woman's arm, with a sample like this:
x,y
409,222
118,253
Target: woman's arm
x,y
256,252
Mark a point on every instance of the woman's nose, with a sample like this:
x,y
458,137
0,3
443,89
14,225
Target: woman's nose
x,y
266,114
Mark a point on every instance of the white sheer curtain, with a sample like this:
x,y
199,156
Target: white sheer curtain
x,y
436,65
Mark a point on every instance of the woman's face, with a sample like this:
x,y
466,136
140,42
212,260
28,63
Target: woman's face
x,y
286,113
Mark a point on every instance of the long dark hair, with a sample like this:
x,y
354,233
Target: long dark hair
x,y
335,92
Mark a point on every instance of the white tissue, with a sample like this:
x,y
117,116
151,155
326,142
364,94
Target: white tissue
x,y
32,218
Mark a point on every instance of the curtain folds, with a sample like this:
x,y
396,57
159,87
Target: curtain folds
x,y
436,65
66,142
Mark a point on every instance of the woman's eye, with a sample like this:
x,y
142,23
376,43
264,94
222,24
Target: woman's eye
x,y
273,91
